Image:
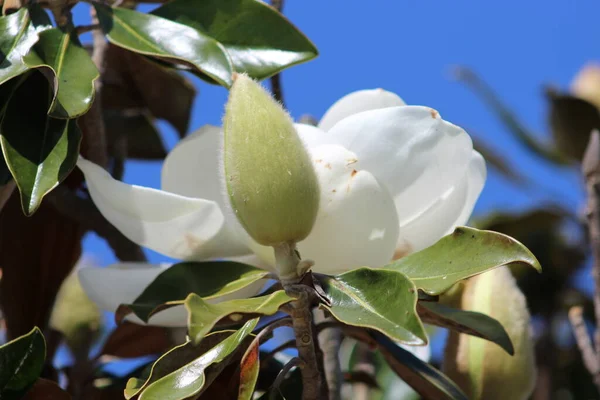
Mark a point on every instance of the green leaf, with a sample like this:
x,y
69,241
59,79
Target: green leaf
x,y
379,299
469,322
189,380
208,279
167,40
259,40
73,70
21,362
18,32
203,316
464,253
249,368
40,151
422,377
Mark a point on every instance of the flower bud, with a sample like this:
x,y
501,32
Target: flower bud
x,y
270,178
481,368
586,84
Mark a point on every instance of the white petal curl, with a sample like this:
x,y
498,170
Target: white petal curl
x,y
450,210
359,101
177,226
122,283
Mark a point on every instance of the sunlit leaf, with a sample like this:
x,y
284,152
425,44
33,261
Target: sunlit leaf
x,y
379,299
21,362
209,279
167,40
259,40
469,322
203,316
73,70
18,32
463,253
189,379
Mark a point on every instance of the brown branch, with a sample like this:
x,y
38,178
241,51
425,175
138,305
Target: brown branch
x,y
288,263
330,341
276,79
591,171
584,342
85,212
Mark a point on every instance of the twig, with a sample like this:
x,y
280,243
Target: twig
x,y
265,334
294,362
330,341
6,191
583,342
80,30
362,391
85,212
288,263
591,171
285,345
94,146
276,79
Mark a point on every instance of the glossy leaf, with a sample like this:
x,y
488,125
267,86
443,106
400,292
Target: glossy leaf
x,y
73,70
209,279
259,40
249,368
167,40
422,377
190,379
464,253
18,33
40,151
469,322
203,316
379,299
21,362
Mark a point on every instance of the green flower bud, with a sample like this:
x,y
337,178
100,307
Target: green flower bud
x,y
481,368
270,178
74,314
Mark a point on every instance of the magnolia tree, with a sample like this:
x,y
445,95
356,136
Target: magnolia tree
x,y
349,231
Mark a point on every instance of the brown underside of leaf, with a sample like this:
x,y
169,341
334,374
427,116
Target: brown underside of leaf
x,y
130,340
45,389
36,255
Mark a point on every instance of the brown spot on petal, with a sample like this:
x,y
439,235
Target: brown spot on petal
x,y
401,251
328,166
333,191
434,113
352,161
319,161
354,172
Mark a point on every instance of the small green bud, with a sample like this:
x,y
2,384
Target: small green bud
x,y
482,368
270,178
74,314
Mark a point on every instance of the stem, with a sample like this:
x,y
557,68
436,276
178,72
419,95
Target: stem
x,y
331,341
591,171
288,264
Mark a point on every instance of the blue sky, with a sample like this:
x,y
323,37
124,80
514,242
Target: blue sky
x,y
410,48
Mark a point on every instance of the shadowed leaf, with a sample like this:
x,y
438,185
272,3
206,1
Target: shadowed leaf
x,y
209,279
144,141
21,362
130,340
44,389
469,322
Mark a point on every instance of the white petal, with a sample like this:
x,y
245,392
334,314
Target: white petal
x,y
123,283
353,103
173,225
449,211
414,152
311,135
357,224
191,168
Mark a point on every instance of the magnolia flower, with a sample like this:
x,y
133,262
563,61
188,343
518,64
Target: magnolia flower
x,y
393,178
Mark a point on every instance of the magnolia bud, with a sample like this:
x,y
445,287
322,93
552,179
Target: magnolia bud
x,y
482,368
74,314
586,84
270,178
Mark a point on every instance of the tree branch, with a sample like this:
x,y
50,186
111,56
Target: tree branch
x,y
584,342
330,341
287,260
